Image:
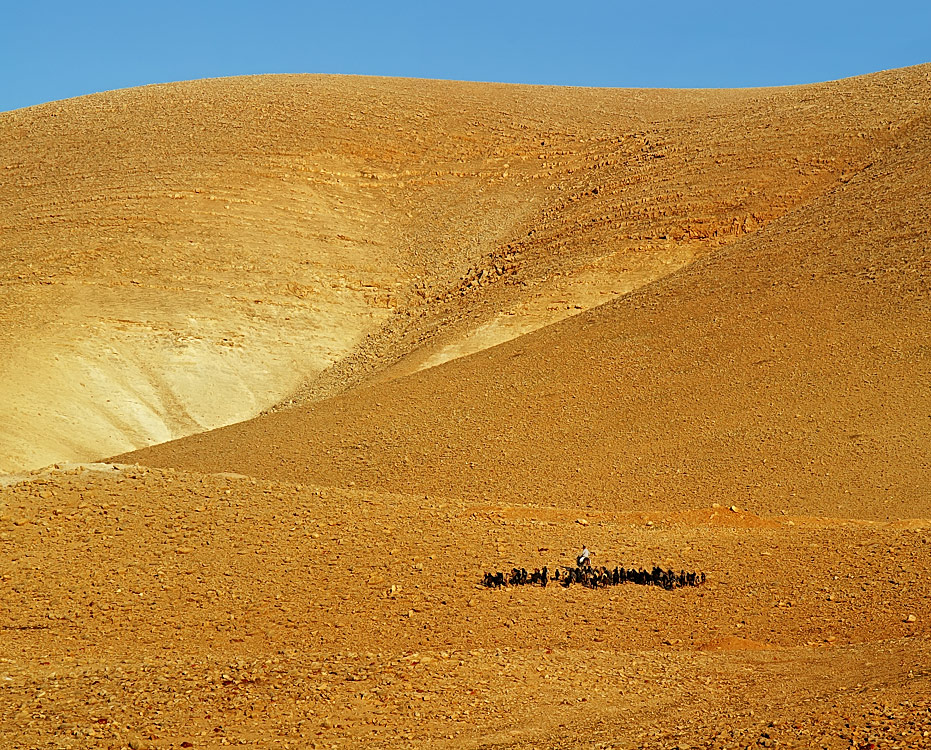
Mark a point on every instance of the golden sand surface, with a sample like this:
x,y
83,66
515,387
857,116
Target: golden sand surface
x,y
340,345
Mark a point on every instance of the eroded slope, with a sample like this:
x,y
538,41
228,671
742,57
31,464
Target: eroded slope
x,y
786,372
179,257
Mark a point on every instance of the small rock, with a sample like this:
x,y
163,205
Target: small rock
x,y
581,522
910,618
734,508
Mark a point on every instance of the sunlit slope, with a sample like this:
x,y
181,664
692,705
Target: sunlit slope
x,y
790,371
179,257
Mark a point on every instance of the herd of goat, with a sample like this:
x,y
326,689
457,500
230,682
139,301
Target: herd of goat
x,y
594,577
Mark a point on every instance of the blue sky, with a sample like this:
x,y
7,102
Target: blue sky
x,y
55,50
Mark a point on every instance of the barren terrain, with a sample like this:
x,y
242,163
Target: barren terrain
x,y
341,345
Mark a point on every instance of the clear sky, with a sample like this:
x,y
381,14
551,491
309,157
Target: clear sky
x,y
54,49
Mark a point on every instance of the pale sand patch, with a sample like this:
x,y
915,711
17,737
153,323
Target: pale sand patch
x,y
105,384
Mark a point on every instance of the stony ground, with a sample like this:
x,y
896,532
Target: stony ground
x,y
149,608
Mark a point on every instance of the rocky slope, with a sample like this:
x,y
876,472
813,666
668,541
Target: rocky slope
x,y
788,371
180,257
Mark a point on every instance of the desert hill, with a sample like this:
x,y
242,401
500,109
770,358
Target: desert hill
x,y
788,371
180,257
484,325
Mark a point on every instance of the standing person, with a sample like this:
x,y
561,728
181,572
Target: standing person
x,y
584,560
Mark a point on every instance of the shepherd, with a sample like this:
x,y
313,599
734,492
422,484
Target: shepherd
x,y
584,560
